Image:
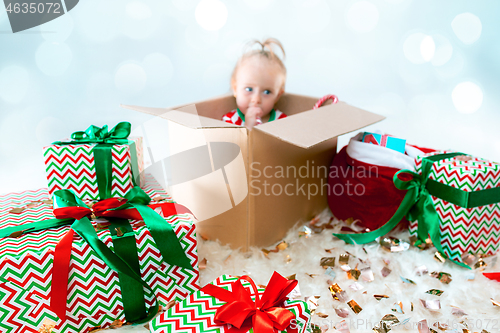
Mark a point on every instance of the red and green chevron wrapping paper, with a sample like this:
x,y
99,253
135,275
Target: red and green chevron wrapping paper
x,y
196,313
94,297
72,167
465,230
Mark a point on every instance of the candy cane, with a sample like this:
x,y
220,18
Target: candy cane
x,y
323,99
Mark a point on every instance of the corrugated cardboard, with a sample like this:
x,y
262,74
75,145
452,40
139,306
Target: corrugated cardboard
x,y
227,191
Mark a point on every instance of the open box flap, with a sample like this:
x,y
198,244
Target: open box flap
x,y
309,128
185,115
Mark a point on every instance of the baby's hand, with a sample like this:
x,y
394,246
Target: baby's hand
x,y
251,116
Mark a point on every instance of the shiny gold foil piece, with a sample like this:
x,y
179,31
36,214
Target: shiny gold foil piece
x,y
291,277
321,315
116,324
17,210
354,306
344,258
379,297
444,277
282,246
327,262
354,273
334,288
480,264
439,257
494,302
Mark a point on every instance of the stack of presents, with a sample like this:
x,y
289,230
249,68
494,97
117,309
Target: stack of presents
x,y
105,245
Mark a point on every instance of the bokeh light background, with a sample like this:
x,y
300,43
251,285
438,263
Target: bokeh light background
x,y
432,67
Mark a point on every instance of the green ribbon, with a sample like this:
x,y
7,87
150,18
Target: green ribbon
x,y
125,259
271,117
105,140
417,204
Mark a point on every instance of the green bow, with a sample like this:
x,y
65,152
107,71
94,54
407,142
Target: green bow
x,y
102,151
417,204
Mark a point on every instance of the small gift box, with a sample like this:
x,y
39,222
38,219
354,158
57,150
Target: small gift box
x,y
97,163
465,193
385,140
237,305
74,274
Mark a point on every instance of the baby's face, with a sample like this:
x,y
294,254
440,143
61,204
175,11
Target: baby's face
x,y
258,84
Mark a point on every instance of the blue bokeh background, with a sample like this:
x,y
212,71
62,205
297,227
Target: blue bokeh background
x,y
432,67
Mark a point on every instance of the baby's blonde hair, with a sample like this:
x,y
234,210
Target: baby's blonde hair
x,y
266,51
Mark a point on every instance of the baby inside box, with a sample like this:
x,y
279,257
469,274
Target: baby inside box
x,y
248,188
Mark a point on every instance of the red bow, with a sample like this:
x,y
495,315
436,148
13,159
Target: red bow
x,y
265,315
62,253
105,208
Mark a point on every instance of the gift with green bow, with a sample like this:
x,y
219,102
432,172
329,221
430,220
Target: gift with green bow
x,y
68,265
453,201
97,163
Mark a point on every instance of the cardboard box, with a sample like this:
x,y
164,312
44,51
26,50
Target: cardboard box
x,y
248,188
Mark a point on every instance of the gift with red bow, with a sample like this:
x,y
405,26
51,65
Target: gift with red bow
x,y
67,265
236,305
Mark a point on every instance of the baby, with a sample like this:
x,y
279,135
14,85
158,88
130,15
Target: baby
x,y
258,81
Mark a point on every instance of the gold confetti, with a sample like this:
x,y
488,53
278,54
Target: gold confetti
x,y
116,324
393,244
321,315
170,304
480,264
388,321
119,232
385,271
436,292
288,259
379,297
282,246
266,252
202,264
444,277
47,326
305,231
329,250
95,329
17,210
327,262
33,204
494,302
291,277
344,258
319,329
354,273
354,306
439,257
312,275
334,288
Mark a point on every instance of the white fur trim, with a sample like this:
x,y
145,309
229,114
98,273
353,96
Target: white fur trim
x,y
381,156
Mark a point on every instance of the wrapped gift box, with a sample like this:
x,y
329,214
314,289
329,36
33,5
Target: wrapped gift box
x,y
73,167
94,296
467,227
197,312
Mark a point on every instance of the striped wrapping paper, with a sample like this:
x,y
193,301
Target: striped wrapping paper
x,y
94,298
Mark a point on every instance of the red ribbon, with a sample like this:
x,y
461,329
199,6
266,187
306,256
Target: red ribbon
x,y
105,208
265,315
493,276
62,253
